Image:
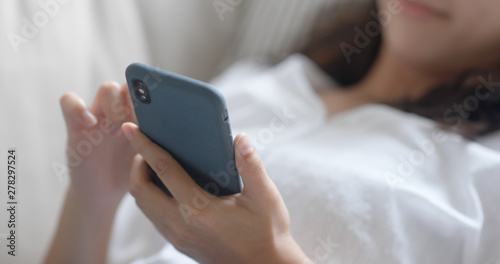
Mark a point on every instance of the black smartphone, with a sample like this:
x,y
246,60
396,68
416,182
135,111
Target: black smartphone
x,y
189,119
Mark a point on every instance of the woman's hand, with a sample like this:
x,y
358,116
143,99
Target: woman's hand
x,y
250,227
99,156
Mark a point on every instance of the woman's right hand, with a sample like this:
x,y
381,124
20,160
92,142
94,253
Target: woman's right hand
x,y
99,155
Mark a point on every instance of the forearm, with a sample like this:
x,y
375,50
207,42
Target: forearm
x,y
84,230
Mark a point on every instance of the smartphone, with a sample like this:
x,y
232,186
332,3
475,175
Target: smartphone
x,y
189,119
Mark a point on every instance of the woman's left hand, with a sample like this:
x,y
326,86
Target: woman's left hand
x,y
250,227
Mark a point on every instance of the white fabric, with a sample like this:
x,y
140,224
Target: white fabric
x,y
78,46
491,141
75,45
187,37
83,44
274,29
370,185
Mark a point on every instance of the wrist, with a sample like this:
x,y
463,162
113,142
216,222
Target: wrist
x,y
93,202
286,250
84,230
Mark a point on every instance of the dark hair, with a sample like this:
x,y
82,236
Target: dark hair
x,y
470,104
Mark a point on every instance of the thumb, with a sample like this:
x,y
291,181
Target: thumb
x,y
257,183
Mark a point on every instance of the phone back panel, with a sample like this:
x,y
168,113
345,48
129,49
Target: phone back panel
x,y
188,118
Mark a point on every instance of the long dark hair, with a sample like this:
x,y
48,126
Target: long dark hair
x,y
469,105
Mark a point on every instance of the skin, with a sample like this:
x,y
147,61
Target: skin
x,y
251,227
418,53
466,35
99,182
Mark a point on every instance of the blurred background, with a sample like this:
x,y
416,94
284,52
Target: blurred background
x,y
50,47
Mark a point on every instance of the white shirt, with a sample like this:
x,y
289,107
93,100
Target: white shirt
x,y
369,185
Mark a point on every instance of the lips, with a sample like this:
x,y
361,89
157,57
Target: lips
x,y
419,9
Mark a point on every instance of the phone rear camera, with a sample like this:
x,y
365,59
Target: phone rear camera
x,y
141,91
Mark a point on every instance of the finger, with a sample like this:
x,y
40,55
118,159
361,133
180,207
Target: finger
x,y
173,176
76,114
108,104
145,191
159,220
130,106
257,183
152,201
167,231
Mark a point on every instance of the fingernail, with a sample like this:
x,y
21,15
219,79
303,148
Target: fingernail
x,y
127,131
88,118
244,145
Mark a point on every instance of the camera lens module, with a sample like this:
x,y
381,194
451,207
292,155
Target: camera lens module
x,y
141,91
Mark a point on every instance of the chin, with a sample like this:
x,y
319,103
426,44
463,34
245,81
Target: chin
x,y
417,47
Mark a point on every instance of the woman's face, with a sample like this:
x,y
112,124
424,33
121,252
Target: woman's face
x,y
443,35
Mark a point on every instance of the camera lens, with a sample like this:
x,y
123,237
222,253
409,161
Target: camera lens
x,y
141,91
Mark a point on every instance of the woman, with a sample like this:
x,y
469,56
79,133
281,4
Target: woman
x,y
433,58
